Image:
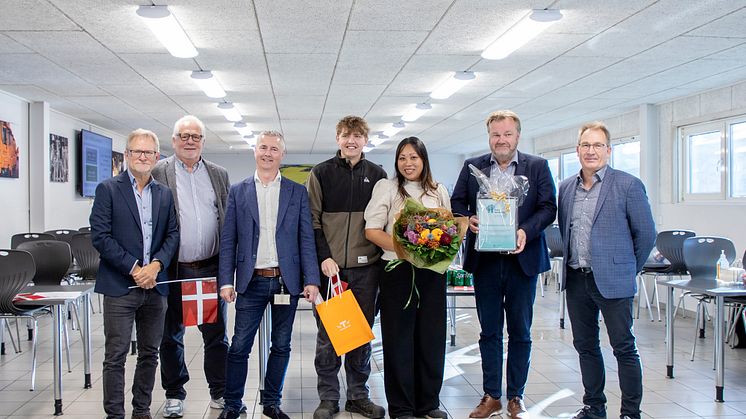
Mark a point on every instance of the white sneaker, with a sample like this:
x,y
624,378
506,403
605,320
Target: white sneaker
x,y
217,403
174,408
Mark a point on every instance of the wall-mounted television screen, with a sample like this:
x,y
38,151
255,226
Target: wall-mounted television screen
x,y
94,152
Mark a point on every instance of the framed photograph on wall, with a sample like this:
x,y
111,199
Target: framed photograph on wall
x,y
58,159
8,152
117,163
296,172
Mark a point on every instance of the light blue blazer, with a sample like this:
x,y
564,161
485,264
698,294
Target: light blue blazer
x,y
622,235
239,239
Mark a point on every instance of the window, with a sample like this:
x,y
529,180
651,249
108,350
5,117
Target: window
x,y
570,164
554,168
626,156
713,160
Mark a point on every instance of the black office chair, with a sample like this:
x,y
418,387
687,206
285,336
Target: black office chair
x,y
88,259
670,244
19,238
63,234
17,268
84,229
701,254
52,259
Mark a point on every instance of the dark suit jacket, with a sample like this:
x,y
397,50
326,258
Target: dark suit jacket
x,y
622,235
538,211
117,234
239,240
165,173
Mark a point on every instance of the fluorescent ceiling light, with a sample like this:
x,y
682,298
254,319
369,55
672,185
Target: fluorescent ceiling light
x,y
416,111
208,83
519,34
164,26
230,112
244,129
453,84
393,129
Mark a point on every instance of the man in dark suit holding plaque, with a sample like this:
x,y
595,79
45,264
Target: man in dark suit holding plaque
x,y
505,282
133,227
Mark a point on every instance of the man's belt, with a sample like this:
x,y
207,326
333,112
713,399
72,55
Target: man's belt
x,y
267,272
199,263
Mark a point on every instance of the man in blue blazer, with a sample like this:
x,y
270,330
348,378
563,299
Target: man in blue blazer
x,y
607,232
267,242
133,227
505,284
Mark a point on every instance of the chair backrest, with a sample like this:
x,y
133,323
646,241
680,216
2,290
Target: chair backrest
x,y
701,254
670,243
86,255
84,229
554,241
19,238
52,259
16,270
63,234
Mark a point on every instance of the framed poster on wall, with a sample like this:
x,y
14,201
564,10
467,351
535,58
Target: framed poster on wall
x,y
8,152
58,159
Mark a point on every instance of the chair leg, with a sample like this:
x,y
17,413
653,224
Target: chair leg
x,y
30,329
657,299
18,336
67,345
647,299
10,335
696,322
33,356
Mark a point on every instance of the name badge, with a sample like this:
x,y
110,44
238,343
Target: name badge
x,y
282,299
362,259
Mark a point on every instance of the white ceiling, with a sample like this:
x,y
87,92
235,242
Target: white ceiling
x,y
300,65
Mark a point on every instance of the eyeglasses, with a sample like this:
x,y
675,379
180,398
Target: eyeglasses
x,y
183,136
596,146
139,153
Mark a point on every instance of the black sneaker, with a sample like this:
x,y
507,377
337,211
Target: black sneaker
x,y
366,408
587,412
274,412
229,414
436,414
326,409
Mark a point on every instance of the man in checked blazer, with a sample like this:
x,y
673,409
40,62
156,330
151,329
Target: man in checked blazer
x,y
607,232
200,190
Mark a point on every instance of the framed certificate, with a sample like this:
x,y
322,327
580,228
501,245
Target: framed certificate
x,y
498,222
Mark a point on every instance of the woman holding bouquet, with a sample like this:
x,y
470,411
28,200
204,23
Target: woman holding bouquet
x,y
412,300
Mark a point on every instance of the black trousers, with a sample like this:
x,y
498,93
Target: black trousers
x,y
174,373
414,339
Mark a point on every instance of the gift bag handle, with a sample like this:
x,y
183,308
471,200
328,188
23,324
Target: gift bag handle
x,y
338,286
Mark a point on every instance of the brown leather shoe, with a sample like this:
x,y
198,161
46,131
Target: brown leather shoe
x,y
487,407
516,409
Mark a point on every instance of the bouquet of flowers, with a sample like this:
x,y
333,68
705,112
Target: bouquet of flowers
x,y
427,238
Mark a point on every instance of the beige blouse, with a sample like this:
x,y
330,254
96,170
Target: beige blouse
x,y
385,204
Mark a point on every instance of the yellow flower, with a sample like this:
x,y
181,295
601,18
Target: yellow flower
x,y
432,221
436,232
424,233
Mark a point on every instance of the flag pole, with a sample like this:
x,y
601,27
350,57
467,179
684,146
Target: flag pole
x,y
208,278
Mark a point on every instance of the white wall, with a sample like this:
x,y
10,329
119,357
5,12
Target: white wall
x,y
14,216
240,165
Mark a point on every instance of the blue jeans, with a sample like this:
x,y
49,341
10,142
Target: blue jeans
x,y
147,309
250,308
174,373
584,302
504,293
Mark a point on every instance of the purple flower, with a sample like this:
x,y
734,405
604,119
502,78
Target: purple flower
x,y
411,236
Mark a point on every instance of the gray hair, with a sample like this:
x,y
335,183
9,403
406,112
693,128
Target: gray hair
x,y
273,133
144,133
187,119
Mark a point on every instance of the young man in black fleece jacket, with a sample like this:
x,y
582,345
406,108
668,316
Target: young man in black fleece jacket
x,y
339,190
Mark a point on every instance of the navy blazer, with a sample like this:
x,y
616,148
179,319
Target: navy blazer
x,y
239,240
116,233
537,212
622,235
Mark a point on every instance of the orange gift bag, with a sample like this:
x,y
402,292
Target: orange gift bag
x,y
343,320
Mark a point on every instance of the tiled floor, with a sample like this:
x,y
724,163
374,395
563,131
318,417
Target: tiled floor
x,y
554,388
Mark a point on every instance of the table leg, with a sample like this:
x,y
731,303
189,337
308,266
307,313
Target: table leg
x,y
57,355
452,317
669,331
719,348
265,330
563,301
87,340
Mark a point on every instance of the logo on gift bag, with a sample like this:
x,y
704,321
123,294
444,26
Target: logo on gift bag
x,y
343,325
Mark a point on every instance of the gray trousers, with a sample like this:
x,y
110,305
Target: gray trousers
x,y
363,282
147,308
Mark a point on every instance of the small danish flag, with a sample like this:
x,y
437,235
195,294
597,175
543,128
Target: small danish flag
x,y
199,302
337,284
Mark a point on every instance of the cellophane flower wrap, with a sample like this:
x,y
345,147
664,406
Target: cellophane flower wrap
x,y
428,238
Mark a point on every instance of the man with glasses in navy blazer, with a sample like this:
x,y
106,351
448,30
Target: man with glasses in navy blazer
x,y
607,232
133,227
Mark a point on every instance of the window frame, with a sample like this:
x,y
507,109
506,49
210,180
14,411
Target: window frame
x,y
723,126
